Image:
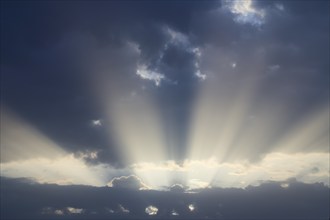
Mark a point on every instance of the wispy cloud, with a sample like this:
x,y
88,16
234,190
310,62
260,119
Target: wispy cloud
x,y
145,73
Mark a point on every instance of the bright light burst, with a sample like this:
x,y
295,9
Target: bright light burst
x,y
234,139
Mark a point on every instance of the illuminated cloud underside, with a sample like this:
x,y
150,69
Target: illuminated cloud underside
x,y
65,170
305,167
147,74
308,168
245,13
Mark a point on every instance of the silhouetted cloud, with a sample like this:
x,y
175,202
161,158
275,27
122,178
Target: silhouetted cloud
x,y
127,182
270,200
177,188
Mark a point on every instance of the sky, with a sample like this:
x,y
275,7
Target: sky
x,y
177,109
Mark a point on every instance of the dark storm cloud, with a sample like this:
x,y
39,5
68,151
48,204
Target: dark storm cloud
x,y
50,50
45,46
28,200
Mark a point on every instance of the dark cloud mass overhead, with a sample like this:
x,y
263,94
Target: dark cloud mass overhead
x,y
165,109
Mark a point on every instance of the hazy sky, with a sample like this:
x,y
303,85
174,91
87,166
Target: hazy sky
x,y
174,109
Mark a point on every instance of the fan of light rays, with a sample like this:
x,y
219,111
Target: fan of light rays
x,y
238,137
227,132
232,130
235,126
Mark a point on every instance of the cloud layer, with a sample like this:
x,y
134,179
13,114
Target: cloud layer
x,y
267,201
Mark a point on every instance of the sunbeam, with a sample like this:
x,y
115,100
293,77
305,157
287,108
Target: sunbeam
x,y
224,106
164,109
21,141
26,152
